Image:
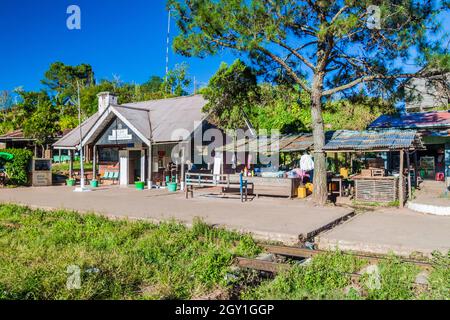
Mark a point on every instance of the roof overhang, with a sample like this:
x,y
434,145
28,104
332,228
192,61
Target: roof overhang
x,y
104,121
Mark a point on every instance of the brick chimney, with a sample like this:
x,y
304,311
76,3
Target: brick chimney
x,y
105,99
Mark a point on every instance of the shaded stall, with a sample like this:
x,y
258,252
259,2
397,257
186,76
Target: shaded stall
x,y
267,179
380,181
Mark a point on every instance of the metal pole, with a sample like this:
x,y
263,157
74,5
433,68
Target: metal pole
x,y
82,182
168,42
81,136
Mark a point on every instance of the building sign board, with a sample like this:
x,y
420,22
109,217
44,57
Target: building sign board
x,y
118,133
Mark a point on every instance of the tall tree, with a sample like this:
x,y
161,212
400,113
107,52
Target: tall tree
x,y
153,85
326,47
177,80
61,80
42,125
231,93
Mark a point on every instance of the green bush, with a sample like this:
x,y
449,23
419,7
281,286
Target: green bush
x,y
17,169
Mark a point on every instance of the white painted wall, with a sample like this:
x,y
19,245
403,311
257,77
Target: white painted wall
x,y
124,159
143,165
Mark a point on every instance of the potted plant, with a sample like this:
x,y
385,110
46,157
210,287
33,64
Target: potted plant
x,y
94,183
172,186
70,182
140,185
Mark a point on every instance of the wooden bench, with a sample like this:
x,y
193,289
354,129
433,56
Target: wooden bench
x,y
202,180
273,187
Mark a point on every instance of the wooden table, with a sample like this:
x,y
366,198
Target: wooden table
x,y
280,187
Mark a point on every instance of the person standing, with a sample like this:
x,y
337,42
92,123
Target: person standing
x,y
307,165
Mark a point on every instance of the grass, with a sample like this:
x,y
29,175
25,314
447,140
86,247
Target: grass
x,y
117,259
395,203
327,277
63,168
138,260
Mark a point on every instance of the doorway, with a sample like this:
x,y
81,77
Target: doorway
x,y
134,168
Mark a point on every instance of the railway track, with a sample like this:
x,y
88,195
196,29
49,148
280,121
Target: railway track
x,y
294,252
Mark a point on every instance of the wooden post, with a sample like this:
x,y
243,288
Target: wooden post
x,y
408,165
59,153
401,186
336,162
416,170
94,162
70,164
150,169
351,163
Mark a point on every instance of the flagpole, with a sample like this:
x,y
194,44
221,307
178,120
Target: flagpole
x,y
168,42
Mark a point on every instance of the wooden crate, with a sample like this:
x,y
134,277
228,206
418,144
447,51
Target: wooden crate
x,y
366,172
378,172
376,190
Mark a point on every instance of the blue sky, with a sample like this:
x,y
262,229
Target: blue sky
x,y
126,38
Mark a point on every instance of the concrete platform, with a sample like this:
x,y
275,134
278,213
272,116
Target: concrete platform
x,y
432,198
402,232
282,220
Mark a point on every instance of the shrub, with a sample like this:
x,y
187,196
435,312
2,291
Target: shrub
x,y
17,169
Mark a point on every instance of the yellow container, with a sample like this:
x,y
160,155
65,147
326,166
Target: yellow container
x,y
301,192
310,187
344,173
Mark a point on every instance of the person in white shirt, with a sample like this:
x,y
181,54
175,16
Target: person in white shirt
x,y
307,164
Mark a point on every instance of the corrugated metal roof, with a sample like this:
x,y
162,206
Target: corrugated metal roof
x,y
298,142
157,120
374,140
286,143
420,120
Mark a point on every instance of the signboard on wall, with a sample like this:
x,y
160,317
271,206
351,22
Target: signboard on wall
x,y
118,133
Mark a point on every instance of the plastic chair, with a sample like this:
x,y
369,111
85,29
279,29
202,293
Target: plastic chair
x,y
440,176
106,176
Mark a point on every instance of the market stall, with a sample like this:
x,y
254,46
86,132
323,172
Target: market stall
x,y
283,175
387,173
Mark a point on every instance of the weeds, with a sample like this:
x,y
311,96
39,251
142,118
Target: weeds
x,y
327,277
133,260
139,260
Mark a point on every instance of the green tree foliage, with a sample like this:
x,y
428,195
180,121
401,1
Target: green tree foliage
x,y
62,80
231,94
17,169
42,125
282,108
325,47
153,85
233,91
44,113
177,80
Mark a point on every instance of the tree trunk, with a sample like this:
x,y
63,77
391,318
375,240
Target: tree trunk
x,y
320,194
